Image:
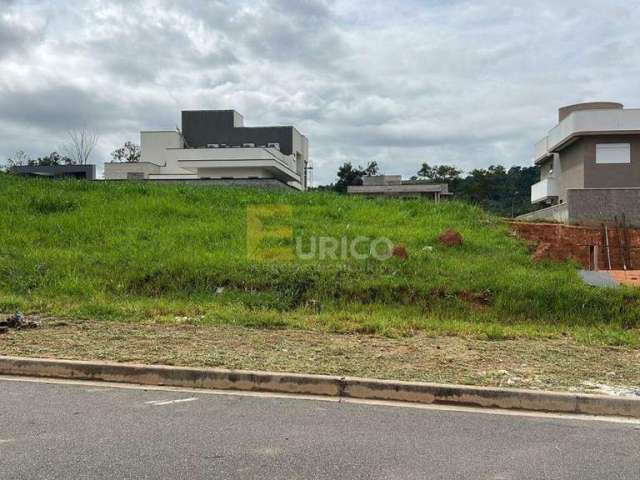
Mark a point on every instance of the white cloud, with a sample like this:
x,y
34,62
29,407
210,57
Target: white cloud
x,y
463,82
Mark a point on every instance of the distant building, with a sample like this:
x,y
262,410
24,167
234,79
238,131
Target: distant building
x,y
589,165
394,186
85,172
214,145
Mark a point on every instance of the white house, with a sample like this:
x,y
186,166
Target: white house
x,y
214,145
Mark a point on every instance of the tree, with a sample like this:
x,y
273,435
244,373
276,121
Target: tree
x,y
350,175
440,173
19,159
501,191
53,159
129,152
81,145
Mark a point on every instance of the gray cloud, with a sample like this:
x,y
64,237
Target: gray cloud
x,y
302,31
462,82
16,35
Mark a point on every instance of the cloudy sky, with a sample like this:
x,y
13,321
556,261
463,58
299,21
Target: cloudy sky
x,y
469,83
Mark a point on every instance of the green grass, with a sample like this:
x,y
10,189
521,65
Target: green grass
x,y
134,251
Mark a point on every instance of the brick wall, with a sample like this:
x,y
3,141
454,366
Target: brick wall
x,y
572,242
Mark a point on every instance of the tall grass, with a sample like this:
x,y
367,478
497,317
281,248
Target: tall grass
x,y
141,250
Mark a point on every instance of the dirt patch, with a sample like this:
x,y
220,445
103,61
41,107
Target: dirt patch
x,y
399,251
450,238
478,299
539,364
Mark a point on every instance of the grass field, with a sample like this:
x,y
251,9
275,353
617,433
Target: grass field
x,y
174,253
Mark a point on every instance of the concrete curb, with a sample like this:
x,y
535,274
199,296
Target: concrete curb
x,y
361,388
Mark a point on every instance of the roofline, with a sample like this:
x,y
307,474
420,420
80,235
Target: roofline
x,y
131,163
213,110
159,131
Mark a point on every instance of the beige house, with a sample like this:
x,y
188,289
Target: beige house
x,y
394,186
589,165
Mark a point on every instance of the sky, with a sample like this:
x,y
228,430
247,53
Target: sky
x,y
464,83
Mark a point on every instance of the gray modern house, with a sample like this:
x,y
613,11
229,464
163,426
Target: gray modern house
x,y
394,186
214,147
85,172
589,165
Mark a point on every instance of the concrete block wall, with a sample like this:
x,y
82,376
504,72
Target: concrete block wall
x,y
597,205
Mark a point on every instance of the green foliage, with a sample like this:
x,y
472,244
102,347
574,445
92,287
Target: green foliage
x,y
143,251
350,175
439,173
47,204
501,191
504,192
496,189
129,152
54,158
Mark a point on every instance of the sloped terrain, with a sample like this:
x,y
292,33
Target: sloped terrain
x,y
133,251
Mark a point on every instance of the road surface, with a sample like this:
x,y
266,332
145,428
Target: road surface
x,y
81,430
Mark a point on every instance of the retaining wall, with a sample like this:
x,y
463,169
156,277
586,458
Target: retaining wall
x,y
554,213
572,242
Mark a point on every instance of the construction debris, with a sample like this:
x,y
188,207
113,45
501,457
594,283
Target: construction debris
x,y
17,322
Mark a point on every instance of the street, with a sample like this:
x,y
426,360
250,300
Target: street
x,y
83,430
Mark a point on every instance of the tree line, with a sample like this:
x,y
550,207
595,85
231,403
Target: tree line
x,y
77,151
503,191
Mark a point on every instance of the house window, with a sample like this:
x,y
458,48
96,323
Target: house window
x,y
613,153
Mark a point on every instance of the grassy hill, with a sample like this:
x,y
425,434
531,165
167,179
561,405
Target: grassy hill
x,y
133,251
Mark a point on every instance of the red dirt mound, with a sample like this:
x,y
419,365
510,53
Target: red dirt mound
x,y
400,252
450,238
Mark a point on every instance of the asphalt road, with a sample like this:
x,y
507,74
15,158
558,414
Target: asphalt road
x,y
74,431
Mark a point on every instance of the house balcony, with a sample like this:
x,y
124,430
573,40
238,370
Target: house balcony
x,y
541,150
237,162
587,122
544,190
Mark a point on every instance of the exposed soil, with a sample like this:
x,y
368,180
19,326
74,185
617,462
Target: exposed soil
x,y
450,238
539,364
572,242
